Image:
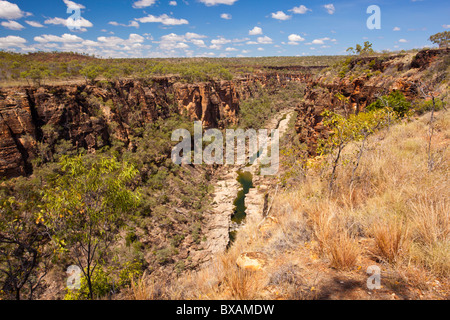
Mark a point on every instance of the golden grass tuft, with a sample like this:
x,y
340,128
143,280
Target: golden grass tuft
x,y
391,239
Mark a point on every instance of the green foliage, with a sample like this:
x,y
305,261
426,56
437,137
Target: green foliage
x,y
36,73
425,106
24,248
85,205
395,100
101,285
354,128
442,39
362,50
91,72
130,271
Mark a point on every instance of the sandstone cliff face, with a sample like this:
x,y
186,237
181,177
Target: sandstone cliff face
x,y
90,116
402,73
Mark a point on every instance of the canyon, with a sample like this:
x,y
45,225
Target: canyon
x,y
91,117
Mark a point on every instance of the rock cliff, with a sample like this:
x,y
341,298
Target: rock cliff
x,y
404,73
89,116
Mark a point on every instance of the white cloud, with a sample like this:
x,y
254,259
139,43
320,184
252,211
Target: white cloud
x,y
446,26
10,11
280,15
403,41
12,25
12,41
220,41
294,39
255,31
226,16
396,29
45,38
164,19
174,41
217,2
34,24
330,8
231,49
173,3
131,24
71,4
143,3
322,40
192,35
265,40
199,43
300,10
260,49
70,22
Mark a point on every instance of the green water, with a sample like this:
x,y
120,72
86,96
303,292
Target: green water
x,y
246,181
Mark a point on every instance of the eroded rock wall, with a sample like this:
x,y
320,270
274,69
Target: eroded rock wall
x,y
90,116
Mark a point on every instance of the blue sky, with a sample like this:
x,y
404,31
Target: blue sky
x,y
216,28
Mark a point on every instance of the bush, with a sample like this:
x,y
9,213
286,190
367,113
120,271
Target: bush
x,y
395,100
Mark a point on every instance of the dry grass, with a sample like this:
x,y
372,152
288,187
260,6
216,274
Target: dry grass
x,y
391,239
396,210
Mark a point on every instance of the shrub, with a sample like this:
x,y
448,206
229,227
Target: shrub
x,y
395,100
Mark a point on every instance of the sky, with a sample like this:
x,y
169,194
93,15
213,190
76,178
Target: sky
x,y
217,28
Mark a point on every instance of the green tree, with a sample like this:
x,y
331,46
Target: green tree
x,y
85,206
355,128
91,72
24,249
395,100
442,39
36,74
362,50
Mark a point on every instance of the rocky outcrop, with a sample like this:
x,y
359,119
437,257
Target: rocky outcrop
x,y
394,73
91,116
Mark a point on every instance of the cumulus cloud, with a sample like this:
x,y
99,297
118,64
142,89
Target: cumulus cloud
x,y
74,5
34,24
12,25
396,29
174,41
330,8
143,3
322,41
265,40
210,3
446,26
294,39
403,41
226,16
11,41
45,38
280,15
10,11
220,41
255,31
173,3
70,22
134,24
300,10
164,19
